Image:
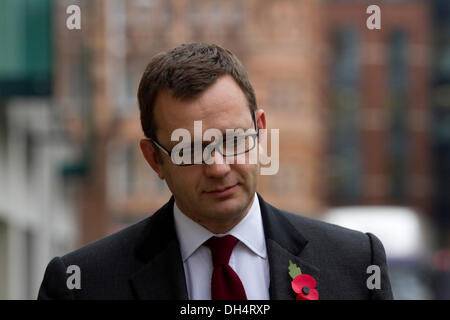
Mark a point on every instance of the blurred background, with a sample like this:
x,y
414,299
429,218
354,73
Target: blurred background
x,y
364,119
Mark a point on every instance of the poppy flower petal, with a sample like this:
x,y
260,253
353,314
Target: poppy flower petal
x,y
312,295
303,280
309,281
297,284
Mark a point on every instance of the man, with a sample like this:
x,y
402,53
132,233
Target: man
x,y
216,238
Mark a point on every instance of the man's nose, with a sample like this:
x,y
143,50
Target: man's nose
x,y
219,167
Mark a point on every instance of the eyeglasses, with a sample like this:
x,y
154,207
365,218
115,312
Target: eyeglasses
x,y
239,143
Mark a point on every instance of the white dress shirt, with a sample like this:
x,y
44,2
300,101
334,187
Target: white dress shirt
x,y
248,259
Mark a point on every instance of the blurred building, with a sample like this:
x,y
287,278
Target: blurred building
x,y
440,100
352,104
379,93
441,144
37,217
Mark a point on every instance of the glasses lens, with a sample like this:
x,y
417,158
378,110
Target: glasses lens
x,y
182,155
238,145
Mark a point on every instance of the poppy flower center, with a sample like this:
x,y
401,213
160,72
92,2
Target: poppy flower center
x,y
305,290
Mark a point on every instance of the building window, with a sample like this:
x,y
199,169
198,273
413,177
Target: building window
x,y
121,171
397,115
29,251
25,58
3,260
30,143
344,160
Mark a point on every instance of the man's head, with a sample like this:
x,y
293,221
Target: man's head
x,y
186,72
200,82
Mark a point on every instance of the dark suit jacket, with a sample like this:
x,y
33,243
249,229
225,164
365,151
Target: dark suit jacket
x,y
143,261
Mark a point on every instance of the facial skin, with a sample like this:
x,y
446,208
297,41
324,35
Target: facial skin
x,y
222,106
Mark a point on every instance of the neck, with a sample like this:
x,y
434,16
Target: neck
x,y
220,226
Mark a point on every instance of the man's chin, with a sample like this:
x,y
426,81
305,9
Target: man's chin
x,y
227,207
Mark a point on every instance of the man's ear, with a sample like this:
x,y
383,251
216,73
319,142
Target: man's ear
x,y
149,152
260,122
260,119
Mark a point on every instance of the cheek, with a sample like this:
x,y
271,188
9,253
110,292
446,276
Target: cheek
x,y
248,173
183,180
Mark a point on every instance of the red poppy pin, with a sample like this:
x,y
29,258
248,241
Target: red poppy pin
x,y
303,284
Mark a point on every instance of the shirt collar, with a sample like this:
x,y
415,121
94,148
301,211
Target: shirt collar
x,y
249,231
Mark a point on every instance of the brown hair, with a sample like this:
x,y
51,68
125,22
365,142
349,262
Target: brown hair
x,y
186,71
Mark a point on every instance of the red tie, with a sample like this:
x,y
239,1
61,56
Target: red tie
x,y
225,283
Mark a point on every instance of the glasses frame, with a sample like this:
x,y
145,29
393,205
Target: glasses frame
x,y
169,152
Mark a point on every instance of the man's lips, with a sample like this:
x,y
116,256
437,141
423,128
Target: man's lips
x,y
222,191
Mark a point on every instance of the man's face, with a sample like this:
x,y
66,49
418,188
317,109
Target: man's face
x,y
217,195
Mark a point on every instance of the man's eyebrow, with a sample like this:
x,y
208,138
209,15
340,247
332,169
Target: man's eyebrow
x,y
239,130
213,138
224,131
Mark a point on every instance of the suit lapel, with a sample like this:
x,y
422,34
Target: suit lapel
x,y
161,276
284,243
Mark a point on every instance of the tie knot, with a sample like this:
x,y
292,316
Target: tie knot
x,y
221,248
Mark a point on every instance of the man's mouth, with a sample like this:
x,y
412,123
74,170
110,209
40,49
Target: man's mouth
x,y
222,191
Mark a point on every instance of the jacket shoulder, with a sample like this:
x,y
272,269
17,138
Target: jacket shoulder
x,y
324,231
341,248
105,266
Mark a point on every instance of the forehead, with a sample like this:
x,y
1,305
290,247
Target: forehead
x,y
221,106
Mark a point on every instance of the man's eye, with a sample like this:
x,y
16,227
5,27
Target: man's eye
x,y
237,140
181,150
